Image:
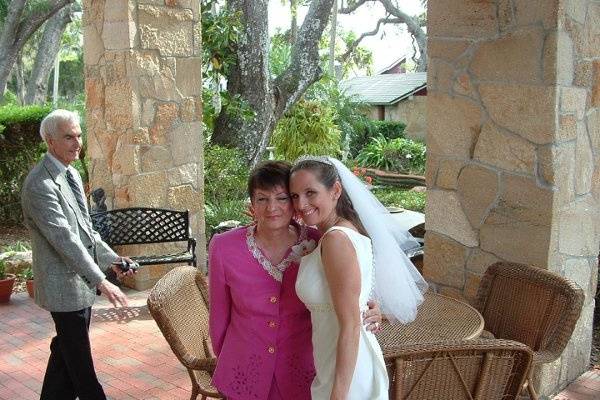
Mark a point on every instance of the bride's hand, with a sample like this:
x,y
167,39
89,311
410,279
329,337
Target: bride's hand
x,y
372,317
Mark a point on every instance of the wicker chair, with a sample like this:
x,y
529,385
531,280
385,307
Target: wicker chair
x,y
469,370
532,306
179,305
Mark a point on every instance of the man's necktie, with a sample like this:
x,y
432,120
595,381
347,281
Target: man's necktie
x,y
76,192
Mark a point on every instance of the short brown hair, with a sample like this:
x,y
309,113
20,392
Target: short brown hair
x,y
268,175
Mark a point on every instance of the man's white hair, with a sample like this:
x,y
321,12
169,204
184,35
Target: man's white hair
x,y
53,122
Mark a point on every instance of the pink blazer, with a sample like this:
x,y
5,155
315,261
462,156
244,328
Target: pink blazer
x,y
260,330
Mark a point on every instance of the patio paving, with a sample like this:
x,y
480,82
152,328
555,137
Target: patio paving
x,y
132,358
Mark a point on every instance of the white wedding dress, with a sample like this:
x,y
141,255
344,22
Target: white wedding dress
x,y
370,380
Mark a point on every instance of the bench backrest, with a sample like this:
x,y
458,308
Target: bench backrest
x,y
141,225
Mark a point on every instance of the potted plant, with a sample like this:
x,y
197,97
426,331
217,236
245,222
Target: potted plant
x,y
27,276
7,281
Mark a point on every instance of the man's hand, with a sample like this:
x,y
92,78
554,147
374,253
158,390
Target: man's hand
x,y
119,271
372,317
113,294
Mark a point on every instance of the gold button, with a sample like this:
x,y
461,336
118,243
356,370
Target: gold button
x,y
273,299
272,324
271,349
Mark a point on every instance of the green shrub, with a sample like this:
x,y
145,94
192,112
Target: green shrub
x,y
308,128
361,135
396,155
392,197
390,129
20,148
225,174
225,182
2,269
366,129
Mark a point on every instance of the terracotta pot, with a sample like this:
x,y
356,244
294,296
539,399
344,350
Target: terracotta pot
x,y
29,284
6,287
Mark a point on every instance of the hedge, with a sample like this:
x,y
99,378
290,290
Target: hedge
x,y
20,148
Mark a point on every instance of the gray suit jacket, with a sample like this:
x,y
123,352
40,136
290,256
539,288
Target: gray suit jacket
x,y
66,250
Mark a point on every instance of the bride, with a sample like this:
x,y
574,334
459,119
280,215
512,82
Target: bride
x,y
358,257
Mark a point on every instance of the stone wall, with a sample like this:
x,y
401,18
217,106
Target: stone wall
x,y
144,112
513,137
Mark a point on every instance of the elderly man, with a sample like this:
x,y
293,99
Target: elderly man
x,y
69,258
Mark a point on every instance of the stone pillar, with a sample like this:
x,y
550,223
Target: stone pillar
x,y
144,111
513,138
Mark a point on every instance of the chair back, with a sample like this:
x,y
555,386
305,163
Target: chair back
x,y
178,304
530,305
469,370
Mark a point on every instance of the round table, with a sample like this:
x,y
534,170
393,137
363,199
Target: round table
x,y
439,318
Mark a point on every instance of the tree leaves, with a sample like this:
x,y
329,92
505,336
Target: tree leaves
x,y
308,129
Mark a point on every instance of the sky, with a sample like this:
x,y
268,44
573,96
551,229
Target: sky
x,y
391,43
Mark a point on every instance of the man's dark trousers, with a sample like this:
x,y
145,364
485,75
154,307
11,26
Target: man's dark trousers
x,y
70,372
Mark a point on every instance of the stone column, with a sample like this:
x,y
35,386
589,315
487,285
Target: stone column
x,y
144,110
513,138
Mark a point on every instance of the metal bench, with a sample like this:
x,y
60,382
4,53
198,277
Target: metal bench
x,y
139,225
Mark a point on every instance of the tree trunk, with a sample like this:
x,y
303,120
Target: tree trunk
x,y
37,87
294,20
8,54
17,30
19,78
332,40
250,81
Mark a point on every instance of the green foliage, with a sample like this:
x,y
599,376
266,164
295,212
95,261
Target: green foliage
x,y
229,210
70,80
26,274
9,98
220,32
361,58
309,128
280,54
17,247
394,197
225,181
349,112
12,114
234,105
368,129
398,155
2,269
225,174
389,129
20,148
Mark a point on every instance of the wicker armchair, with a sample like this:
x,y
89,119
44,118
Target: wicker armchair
x,y
179,305
469,370
532,306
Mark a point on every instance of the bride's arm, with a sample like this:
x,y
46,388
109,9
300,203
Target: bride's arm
x,y
343,275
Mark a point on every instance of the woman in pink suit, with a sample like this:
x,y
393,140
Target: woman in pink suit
x,y
260,330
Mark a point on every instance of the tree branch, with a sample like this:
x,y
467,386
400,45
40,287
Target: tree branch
x,y
354,6
413,28
29,25
304,67
374,32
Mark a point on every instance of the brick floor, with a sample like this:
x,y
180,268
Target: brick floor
x,y
132,358
586,387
